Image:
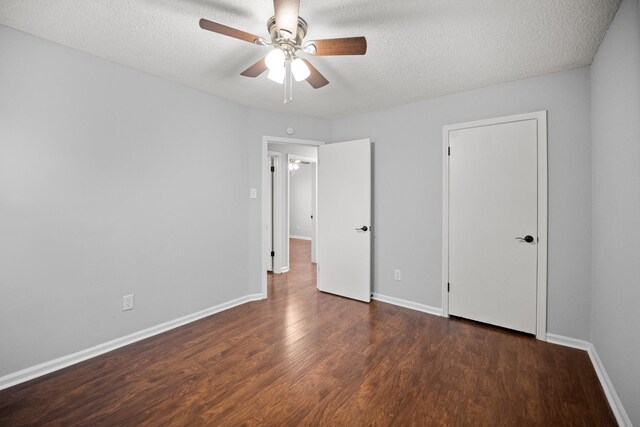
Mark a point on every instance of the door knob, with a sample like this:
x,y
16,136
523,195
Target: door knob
x,y
363,228
527,238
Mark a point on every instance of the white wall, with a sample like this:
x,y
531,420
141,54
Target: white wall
x,y
112,182
615,128
408,188
300,202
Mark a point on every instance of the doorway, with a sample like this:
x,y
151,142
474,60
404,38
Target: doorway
x,y
275,216
302,200
495,222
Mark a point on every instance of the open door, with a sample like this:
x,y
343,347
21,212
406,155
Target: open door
x,y
344,219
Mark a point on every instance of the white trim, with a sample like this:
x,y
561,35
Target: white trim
x,y
407,304
612,397
275,161
280,170
614,401
568,342
284,270
263,211
541,118
82,355
287,213
291,236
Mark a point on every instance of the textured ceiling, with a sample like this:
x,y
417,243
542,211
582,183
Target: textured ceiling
x,y
417,49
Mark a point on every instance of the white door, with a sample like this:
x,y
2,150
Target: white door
x,y
493,208
344,219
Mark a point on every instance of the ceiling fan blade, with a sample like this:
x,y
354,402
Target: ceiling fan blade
x,y
315,79
256,69
345,46
287,12
227,31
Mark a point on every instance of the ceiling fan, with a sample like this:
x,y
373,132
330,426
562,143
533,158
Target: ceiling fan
x,y
287,31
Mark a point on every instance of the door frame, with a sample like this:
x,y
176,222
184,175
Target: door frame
x,y
275,218
541,118
264,240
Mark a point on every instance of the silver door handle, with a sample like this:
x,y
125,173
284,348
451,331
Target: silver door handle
x,y
527,239
363,228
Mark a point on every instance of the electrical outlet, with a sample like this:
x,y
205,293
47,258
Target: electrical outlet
x,y
397,274
127,302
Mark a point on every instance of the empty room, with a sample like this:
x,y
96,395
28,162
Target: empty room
x,y
348,212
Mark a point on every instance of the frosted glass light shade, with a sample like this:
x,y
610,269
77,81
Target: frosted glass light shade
x,y
275,59
299,69
277,74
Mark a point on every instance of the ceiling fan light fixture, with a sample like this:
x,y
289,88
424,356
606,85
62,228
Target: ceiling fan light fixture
x,y
275,59
299,69
277,74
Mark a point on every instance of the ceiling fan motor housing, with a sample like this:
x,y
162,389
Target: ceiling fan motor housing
x,y
278,39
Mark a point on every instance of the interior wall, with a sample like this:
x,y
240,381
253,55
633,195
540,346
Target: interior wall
x,y
408,188
300,202
111,182
615,132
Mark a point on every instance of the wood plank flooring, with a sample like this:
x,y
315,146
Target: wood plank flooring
x,y
307,358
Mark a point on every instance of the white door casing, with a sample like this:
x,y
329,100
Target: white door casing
x,y
495,190
270,210
344,205
314,190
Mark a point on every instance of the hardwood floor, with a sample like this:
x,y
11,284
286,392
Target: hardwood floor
x,y
307,358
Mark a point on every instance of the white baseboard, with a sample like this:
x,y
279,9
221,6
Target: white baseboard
x,y
408,304
568,342
614,401
71,359
299,237
612,397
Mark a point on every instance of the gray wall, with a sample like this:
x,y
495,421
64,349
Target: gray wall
x,y
300,202
112,182
408,188
615,128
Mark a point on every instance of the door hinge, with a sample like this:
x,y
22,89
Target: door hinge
x,y
448,151
273,168
273,253
448,286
